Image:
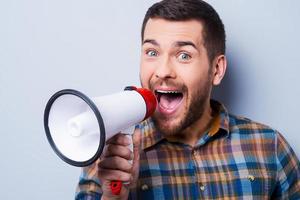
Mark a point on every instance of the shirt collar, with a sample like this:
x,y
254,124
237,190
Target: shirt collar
x,y
219,123
221,119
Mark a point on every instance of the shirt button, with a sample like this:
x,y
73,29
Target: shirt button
x,y
251,178
144,187
202,187
194,152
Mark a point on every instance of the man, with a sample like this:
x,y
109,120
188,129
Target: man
x,y
191,148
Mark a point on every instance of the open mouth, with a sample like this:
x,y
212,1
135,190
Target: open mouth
x,y
168,101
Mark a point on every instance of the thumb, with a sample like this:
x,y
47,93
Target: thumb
x,y
136,138
136,155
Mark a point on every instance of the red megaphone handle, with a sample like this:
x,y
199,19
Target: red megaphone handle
x,y
116,187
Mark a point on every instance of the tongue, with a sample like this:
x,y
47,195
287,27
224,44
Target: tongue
x,y
169,101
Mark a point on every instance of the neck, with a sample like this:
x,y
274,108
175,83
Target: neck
x,y
194,132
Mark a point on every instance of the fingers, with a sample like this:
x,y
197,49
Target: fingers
x,y
119,139
118,146
115,163
112,175
118,150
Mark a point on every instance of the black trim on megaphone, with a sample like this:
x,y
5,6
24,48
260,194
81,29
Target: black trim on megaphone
x,y
99,119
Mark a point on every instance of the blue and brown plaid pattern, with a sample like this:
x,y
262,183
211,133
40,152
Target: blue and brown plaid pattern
x,y
236,159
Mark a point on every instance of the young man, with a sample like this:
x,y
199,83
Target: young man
x,y
191,148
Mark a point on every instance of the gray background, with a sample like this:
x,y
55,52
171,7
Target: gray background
x,y
93,46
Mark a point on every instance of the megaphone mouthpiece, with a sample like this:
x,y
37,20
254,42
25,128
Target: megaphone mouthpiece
x,y
150,100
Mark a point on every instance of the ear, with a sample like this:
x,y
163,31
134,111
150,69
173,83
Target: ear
x,y
219,69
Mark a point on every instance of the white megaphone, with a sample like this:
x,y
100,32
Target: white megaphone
x,y
77,126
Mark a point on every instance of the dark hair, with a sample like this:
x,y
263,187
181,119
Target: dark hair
x,y
182,10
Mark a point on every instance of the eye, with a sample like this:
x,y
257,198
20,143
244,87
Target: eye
x,y
151,53
184,56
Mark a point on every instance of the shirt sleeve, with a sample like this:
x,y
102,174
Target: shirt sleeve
x,y
288,171
89,187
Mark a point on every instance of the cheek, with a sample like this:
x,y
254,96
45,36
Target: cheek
x,y
145,75
190,77
194,81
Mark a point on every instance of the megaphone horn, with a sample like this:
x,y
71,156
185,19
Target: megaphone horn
x,y
77,126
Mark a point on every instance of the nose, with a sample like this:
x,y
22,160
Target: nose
x,y
165,69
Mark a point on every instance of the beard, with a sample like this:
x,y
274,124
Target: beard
x,y
193,111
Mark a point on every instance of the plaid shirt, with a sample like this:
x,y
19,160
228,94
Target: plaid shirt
x,y
236,159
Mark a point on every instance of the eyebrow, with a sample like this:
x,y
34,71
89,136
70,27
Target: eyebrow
x,y
151,42
176,44
185,43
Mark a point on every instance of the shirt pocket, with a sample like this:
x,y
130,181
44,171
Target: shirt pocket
x,y
152,187
250,184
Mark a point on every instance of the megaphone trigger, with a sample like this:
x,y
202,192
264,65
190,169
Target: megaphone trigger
x,y
116,187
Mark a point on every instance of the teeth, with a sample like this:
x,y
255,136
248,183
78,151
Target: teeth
x,y
167,92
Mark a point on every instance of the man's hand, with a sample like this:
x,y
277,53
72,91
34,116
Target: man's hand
x,y
114,165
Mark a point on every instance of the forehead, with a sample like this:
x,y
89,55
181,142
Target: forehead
x,y
164,31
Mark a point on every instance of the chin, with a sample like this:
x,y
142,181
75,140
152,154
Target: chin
x,y
168,127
